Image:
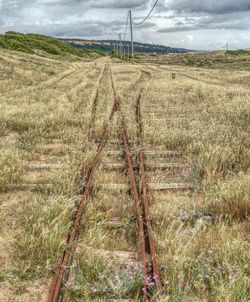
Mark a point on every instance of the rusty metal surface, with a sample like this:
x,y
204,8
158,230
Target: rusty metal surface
x,y
96,99
62,273
57,282
153,274
142,242
146,243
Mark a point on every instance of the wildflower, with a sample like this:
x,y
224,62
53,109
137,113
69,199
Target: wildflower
x,y
93,289
166,282
68,284
147,278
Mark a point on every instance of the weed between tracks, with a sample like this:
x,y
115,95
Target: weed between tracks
x,y
105,263
44,129
201,236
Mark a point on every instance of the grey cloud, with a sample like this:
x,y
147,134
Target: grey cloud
x,y
194,15
77,29
104,19
62,2
148,25
212,22
118,3
209,6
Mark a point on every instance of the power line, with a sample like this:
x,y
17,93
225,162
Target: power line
x,y
148,15
129,17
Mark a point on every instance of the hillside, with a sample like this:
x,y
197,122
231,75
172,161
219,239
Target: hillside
x,y
110,45
32,43
35,43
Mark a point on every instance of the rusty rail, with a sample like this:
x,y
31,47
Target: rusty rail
x,y
57,282
146,243
153,274
62,273
95,103
134,190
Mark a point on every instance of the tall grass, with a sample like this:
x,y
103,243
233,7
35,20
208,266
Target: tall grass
x,y
11,168
44,223
201,237
232,198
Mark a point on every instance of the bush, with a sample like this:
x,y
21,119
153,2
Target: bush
x,y
14,44
3,44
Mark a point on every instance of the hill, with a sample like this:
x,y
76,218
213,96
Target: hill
x,y
110,45
31,43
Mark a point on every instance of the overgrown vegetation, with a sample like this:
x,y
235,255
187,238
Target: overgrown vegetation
x,y
202,236
11,168
31,43
45,111
229,60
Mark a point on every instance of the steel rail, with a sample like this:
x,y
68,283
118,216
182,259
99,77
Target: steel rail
x,y
94,105
153,269
134,190
146,243
62,275
66,260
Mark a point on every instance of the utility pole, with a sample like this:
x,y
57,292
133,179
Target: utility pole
x,y
124,51
131,34
120,46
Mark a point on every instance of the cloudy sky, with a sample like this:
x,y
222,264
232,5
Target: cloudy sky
x,y
196,24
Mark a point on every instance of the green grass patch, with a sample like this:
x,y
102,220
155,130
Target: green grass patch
x,y
30,43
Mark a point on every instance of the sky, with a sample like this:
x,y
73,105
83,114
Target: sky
x,y
193,24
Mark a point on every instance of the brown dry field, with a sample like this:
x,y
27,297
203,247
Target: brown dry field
x,y
47,133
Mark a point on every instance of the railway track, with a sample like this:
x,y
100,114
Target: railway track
x,y
136,166
95,103
62,273
152,268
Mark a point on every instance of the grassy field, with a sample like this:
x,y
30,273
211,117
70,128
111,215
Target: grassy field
x,y
202,236
229,60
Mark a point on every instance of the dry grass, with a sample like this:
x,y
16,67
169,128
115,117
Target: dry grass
x,y
43,120
201,237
